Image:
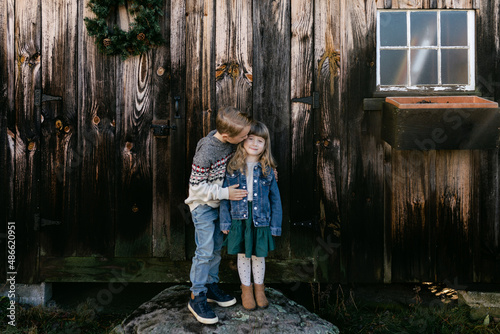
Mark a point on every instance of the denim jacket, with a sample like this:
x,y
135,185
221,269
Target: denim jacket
x,y
266,202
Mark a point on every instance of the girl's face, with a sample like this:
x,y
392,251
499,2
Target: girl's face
x,y
254,146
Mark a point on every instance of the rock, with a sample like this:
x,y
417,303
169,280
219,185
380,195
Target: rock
x,y
481,304
167,312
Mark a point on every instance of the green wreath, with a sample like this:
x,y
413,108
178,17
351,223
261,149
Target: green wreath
x,y
145,31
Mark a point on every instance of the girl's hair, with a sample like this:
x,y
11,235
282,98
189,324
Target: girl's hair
x,y
238,162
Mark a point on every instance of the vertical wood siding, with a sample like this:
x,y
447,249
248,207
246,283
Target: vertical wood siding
x,y
233,54
179,164
7,137
86,180
427,4
59,129
329,129
488,79
271,93
302,128
27,21
97,126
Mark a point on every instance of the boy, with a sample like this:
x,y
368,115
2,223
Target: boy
x,y
205,192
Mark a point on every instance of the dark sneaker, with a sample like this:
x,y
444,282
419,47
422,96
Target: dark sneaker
x,y
201,310
216,295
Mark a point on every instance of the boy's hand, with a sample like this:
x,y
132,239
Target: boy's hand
x,y
237,194
225,232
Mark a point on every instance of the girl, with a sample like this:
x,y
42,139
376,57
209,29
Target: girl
x,y
251,222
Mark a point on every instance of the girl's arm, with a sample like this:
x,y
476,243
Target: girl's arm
x,y
276,210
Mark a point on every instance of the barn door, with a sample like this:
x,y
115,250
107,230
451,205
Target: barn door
x,y
112,145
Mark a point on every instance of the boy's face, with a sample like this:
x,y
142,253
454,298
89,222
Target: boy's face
x,y
239,137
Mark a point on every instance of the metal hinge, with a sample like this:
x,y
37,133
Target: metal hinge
x,y
312,100
162,130
40,98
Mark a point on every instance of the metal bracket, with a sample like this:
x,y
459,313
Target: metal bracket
x,y
162,130
312,100
40,98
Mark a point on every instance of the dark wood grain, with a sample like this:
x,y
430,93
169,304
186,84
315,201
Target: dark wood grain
x,y
97,123
27,20
60,173
7,124
271,94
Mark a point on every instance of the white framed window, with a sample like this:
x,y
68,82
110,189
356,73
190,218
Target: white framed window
x,y
430,50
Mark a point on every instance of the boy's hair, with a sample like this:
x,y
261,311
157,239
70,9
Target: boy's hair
x,y
238,162
231,121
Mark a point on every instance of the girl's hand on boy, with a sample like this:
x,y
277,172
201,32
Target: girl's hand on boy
x,y
237,194
225,232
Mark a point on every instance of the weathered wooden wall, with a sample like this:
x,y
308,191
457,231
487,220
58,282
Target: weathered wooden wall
x,y
90,188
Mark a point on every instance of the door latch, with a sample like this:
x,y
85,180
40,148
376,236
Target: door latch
x,y
162,130
40,98
313,100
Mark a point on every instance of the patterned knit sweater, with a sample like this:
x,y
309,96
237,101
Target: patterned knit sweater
x,y
208,171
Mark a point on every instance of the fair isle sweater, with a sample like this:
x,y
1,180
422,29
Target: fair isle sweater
x,y
208,171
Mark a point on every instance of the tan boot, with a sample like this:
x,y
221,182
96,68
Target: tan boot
x,y
260,296
247,298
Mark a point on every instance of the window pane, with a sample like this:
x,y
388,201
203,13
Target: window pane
x,y
423,29
454,28
392,29
424,67
454,66
393,67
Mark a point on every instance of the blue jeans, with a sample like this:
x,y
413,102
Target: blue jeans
x,y
208,238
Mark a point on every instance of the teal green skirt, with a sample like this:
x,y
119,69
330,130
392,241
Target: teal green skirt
x,y
245,238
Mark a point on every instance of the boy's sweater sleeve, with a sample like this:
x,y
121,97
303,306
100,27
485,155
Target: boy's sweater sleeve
x,y
203,190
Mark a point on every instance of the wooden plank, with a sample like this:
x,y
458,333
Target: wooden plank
x,y
454,187
328,126
303,207
411,226
168,225
488,264
233,54
97,122
134,182
362,166
27,157
159,270
7,125
388,212
59,151
455,4
408,4
196,116
179,166
271,95
208,95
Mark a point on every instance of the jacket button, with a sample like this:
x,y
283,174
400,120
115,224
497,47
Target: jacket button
x,y
255,194
254,181
255,208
